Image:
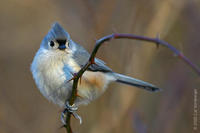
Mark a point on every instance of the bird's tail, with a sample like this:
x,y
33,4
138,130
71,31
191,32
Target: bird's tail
x,y
135,82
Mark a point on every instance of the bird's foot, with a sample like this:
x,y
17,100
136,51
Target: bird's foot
x,y
72,109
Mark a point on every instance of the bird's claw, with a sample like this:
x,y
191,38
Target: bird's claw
x,y
72,109
77,117
63,117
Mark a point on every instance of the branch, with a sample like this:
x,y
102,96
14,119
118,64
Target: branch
x,y
91,61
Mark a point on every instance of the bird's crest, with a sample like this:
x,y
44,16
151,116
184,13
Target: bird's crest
x,y
58,32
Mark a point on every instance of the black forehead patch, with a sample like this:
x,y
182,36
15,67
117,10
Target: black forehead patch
x,y
61,41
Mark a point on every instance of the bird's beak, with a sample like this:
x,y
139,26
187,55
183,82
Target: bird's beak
x,y
62,47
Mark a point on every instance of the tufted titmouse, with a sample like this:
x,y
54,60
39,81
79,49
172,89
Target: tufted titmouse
x,y
59,57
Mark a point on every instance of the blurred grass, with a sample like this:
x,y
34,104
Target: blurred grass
x,y
23,25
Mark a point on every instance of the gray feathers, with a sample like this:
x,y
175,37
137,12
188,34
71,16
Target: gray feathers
x,y
57,32
135,82
80,56
99,66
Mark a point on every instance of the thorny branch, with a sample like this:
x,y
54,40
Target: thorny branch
x,y
91,61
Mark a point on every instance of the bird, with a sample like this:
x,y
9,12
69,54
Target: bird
x,y
59,58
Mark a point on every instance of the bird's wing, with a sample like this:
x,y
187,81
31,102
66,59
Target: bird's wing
x,y
99,66
81,57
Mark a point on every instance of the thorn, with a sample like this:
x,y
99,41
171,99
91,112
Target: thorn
x,y
74,76
78,95
61,126
114,30
157,38
180,45
113,35
92,61
80,79
70,79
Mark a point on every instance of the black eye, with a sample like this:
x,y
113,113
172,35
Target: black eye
x,y
52,44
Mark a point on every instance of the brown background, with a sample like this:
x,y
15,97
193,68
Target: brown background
x,y
24,23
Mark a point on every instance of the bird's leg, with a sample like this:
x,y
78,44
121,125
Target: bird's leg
x,y
72,109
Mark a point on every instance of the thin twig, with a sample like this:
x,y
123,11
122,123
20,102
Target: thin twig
x,y
91,61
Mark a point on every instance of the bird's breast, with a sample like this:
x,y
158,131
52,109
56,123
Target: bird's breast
x,y
48,73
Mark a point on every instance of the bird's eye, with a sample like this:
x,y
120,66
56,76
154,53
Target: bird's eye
x,y
51,43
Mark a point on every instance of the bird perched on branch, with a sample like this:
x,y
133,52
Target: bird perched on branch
x,y
59,57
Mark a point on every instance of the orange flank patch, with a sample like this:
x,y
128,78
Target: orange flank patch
x,y
92,80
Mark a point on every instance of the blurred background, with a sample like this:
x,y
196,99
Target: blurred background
x,y
121,108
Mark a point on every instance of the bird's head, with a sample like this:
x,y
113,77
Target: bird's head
x,y
57,39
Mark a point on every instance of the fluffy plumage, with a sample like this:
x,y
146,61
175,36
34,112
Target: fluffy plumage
x,y
52,68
